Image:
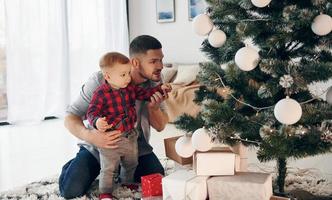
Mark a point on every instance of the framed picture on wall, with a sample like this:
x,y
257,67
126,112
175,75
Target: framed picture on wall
x,y
196,7
165,11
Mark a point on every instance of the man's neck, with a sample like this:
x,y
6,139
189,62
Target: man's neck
x,y
136,78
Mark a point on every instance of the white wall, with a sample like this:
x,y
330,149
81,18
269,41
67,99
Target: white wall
x,y
180,44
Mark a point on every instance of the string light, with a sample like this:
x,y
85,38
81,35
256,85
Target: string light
x,y
258,109
244,140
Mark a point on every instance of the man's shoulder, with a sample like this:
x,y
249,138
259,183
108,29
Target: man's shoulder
x,y
94,82
97,78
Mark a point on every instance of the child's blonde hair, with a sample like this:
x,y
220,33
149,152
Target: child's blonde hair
x,y
112,58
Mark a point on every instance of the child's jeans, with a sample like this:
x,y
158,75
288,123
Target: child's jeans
x,y
126,154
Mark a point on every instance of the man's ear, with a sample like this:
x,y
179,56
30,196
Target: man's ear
x,y
135,62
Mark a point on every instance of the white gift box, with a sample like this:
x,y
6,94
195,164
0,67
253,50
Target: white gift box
x,y
243,185
241,157
218,161
152,198
183,185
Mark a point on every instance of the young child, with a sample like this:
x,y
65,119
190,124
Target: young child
x,y
113,103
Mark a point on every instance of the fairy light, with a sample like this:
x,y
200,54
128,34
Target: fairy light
x,y
258,109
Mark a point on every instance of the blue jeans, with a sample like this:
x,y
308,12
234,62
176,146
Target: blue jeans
x,y
78,174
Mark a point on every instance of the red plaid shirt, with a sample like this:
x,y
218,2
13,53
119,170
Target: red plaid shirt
x,y
118,106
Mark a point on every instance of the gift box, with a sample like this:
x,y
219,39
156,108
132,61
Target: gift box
x,y
279,198
243,185
151,185
171,153
217,161
241,157
183,185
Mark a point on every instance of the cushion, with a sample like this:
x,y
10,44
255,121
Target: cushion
x,y
168,74
180,101
186,74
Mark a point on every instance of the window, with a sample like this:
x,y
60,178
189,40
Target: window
x,y
3,90
54,46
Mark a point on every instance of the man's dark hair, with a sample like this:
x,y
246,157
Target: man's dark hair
x,y
141,44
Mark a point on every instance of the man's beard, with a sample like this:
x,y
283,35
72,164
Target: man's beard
x,y
152,77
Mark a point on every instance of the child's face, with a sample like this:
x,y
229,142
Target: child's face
x,y
118,76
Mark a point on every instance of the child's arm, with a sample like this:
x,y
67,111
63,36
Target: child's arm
x,y
146,93
102,125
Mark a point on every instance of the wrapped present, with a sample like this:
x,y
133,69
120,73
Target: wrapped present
x,y
279,198
241,157
243,185
171,153
183,185
151,185
217,161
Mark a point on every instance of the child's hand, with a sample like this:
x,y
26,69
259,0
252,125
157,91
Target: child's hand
x,y
102,124
166,88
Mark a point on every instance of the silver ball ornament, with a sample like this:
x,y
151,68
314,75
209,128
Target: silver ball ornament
x,y
183,147
322,25
260,3
247,58
288,111
202,24
329,96
217,38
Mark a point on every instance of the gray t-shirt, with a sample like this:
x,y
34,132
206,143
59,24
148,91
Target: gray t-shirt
x,y
80,106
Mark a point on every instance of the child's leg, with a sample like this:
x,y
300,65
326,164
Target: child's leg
x,y
109,162
129,160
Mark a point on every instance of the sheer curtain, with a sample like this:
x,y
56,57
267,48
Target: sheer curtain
x,y
53,46
95,27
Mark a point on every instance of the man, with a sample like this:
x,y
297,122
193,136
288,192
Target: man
x,y
78,174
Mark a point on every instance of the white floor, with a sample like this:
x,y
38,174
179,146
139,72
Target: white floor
x,y
32,152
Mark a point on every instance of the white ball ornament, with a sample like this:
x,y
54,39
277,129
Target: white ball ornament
x,y
322,25
288,111
329,96
217,38
246,58
201,140
183,147
202,24
260,3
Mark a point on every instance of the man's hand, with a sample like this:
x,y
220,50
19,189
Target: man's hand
x,y
158,118
105,139
102,124
166,88
156,99
99,139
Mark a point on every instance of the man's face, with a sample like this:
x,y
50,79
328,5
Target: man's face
x,y
151,64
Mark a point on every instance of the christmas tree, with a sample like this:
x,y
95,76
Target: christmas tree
x,y
264,55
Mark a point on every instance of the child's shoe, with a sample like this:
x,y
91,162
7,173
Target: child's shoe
x,y
105,196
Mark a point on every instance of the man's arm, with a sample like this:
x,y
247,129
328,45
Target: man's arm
x,y
74,123
158,118
99,139
95,107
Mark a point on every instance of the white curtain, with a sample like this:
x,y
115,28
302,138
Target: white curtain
x,y
36,60
52,47
95,27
